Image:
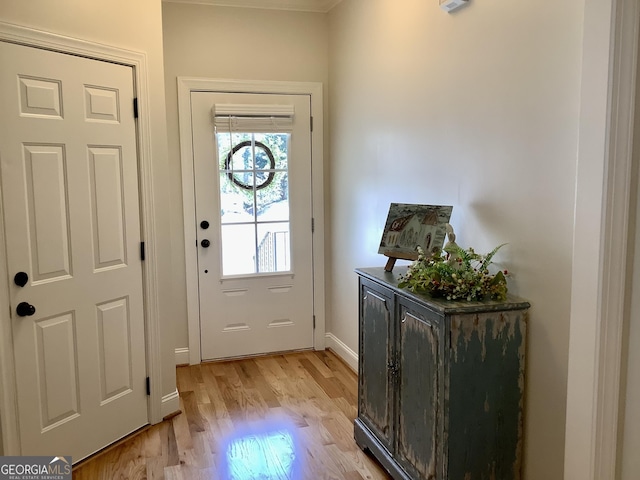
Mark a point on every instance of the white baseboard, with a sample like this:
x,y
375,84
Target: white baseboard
x,y
342,350
332,342
170,403
182,356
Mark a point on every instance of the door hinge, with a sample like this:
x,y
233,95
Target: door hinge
x,y
311,123
313,225
135,108
148,382
314,322
142,255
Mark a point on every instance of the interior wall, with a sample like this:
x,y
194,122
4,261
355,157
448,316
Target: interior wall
x,y
134,25
478,109
629,426
629,461
232,43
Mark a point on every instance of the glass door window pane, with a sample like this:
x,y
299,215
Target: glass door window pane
x,y
238,249
254,200
273,247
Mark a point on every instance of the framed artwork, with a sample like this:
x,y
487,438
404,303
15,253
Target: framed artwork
x,y
409,226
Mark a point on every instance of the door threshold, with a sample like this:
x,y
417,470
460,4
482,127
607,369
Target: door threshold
x,y
255,355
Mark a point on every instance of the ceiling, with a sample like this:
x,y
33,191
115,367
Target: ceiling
x,y
298,5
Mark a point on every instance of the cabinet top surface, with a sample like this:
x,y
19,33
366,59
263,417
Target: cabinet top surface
x,y
446,307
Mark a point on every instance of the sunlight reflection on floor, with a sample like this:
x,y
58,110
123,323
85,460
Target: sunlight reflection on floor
x,y
261,451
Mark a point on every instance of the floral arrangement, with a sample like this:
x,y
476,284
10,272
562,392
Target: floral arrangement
x,y
456,274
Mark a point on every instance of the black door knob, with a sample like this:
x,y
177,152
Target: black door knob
x,y
21,279
25,310
205,243
204,224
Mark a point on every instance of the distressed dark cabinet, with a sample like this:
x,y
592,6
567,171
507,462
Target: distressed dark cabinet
x,y
440,391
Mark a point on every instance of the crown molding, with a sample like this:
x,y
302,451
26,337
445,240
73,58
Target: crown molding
x,y
322,6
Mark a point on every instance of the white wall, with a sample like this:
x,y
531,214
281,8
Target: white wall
x,y
134,25
629,433
477,109
629,460
234,43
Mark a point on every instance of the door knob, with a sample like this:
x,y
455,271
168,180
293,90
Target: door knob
x,y
25,310
205,243
204,224
21,279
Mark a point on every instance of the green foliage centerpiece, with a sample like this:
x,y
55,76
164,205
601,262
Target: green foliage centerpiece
x,y
456,274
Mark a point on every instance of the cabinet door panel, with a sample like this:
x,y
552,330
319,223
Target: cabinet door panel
x,y
418,440
375,406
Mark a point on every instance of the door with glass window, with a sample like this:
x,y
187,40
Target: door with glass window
x,y
252,166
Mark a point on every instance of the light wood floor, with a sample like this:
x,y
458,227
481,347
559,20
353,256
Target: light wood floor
x,y
277,417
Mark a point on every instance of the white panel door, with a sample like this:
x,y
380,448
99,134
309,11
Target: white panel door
x,y
68,163
253,209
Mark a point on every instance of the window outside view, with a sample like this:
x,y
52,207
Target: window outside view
x,y
254,202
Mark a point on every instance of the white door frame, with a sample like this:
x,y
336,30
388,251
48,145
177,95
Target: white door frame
x,y
138,61
186,85
601,230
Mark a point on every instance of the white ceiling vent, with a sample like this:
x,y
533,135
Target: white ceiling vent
x,y
451,5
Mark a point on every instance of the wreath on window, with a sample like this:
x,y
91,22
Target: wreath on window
x,y
230,174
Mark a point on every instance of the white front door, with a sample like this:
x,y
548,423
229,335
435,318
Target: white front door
x,y
252,166
68,163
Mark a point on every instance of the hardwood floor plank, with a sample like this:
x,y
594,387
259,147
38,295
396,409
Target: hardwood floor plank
x,y
349,409
184,379
292,367
181,429
194,418
202,393
326,383
155,468
279,384
286,416
213,392
261,384
196,373
270,364
242,368
151,443
317,464
169,443
229,397
353,476
322,367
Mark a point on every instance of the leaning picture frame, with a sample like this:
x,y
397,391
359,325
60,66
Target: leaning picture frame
x,y
409,226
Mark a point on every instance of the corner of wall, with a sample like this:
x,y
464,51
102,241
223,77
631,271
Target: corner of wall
x,y
341,349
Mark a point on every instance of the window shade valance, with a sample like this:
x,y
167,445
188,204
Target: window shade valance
x,y
252,118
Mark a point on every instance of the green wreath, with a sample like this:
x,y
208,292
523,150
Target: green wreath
x,y
241,184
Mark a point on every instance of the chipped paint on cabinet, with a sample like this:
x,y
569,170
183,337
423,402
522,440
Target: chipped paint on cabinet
x,y
375,383
486,391
453,386
419,435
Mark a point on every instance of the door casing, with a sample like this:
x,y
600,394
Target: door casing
x,y
8,404
186,85
601,225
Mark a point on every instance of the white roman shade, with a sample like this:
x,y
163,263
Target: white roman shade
x,y
252,118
